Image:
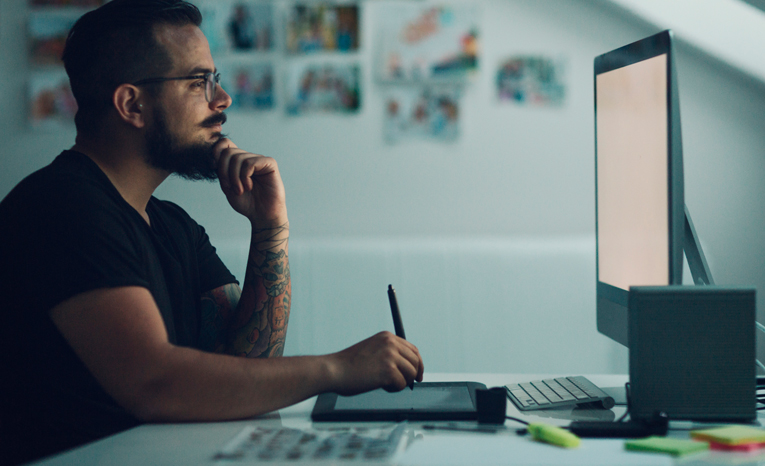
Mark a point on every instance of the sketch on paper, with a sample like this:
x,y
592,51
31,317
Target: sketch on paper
x,y
434,43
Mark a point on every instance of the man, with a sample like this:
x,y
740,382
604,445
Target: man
x,y
116,308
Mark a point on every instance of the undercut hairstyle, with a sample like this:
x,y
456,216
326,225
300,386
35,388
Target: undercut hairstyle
x,y
116,44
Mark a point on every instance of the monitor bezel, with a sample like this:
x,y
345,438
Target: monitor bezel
x,y
612,302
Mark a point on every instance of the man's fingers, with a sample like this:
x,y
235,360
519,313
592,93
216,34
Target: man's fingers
x,y
236,167
237,158
408,363
221,145
412,354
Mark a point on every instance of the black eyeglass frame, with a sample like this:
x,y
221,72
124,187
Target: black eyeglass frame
x,y
209,78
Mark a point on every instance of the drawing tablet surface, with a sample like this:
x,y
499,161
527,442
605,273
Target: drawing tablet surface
x,y
429,401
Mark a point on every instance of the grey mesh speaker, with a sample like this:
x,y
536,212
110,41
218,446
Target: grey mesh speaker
x,y
692,353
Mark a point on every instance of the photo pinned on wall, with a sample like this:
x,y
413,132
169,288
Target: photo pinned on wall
x,y
47,34
251,86
51,103
428,43
426,113
322,28
329,88
237,25
532,80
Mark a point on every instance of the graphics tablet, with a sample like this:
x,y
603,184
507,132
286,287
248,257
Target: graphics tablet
x,y
429,401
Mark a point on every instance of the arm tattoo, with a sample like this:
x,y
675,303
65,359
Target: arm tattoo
x,y
218,307
259,326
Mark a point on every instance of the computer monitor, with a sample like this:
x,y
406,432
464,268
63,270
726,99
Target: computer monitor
x,y
642,225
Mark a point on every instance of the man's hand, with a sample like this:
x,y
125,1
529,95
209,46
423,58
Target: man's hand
x,y
383,360
251,183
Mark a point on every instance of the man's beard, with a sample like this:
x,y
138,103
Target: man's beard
x,y
193,161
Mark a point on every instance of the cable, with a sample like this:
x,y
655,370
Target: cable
x,y
517,420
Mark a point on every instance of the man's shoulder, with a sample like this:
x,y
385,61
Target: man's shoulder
x,y
67,196
71,181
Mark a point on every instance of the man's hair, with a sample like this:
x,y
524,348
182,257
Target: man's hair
x,y
116,44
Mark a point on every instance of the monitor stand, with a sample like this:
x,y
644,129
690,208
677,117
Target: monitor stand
x,y
697,262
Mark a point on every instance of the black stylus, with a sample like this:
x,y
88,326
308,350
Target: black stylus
x,y
397,324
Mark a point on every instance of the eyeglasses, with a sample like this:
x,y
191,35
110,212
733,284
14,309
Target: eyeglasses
x,y
211,82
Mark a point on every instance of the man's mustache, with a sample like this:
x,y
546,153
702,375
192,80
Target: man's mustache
x,y
217,119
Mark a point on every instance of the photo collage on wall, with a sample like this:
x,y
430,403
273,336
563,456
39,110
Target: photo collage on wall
x,y
303,57
242,40
265,50
50,99
426,54
322,84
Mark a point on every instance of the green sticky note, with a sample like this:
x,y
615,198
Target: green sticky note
x,y
673,446
731,435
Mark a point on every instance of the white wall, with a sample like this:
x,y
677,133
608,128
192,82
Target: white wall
x,y
502,216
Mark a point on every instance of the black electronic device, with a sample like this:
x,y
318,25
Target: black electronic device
x,y
427,401
491,405
658,424
692,352
642,224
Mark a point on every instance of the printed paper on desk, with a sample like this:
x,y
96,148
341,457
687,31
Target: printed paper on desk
x,y
445,449
336,445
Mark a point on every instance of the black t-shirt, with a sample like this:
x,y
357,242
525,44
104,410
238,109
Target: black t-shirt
x,y
66,230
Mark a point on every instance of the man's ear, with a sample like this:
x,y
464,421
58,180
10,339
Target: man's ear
x,y
127,101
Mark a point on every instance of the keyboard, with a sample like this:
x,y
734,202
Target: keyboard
x,y
557,393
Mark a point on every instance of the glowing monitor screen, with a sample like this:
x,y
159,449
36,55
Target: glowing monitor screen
x,y
632,174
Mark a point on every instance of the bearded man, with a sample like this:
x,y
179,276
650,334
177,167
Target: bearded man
x,y
117,309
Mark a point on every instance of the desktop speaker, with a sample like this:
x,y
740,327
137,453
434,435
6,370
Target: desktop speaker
x,y
692,353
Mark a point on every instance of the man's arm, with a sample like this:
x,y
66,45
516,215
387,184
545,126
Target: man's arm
x,y
119,335
253,322
257,327
121,338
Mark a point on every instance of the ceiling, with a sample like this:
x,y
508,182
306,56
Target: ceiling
x,y
732,31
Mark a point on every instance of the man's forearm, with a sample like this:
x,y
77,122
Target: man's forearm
x,y
259,325
201,386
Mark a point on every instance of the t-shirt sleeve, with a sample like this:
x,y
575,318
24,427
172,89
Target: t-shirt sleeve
x,y
213,273
86,244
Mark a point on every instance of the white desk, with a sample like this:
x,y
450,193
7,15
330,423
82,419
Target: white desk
x,y
192,444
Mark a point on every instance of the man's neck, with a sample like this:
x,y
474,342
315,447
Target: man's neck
x,y
127,169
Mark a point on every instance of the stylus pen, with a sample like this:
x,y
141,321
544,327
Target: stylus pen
x,y
397,324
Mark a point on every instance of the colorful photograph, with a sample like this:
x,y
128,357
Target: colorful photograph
x,y
50,99
323,27
436,43
237,25
251,86
323,88
532,80
429,113
47,34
